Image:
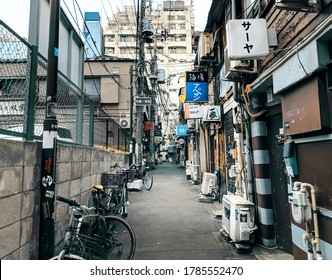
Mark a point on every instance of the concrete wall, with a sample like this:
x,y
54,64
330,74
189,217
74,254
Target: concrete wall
x,y
78,169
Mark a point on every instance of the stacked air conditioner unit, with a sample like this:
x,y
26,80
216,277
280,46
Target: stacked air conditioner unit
x,y
235,68
238,221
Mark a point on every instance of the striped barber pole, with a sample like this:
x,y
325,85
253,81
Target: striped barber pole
x,y
265,220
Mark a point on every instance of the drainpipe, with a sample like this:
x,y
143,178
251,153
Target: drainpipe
x,y
316,240
311,240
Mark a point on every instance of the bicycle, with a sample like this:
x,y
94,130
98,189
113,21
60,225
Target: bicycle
x,y
144,174
116,183
91,236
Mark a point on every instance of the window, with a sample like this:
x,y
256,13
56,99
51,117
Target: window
x,y
182,50
109,51
182,17
172,50
122,38
171,17
116,70
172,26
183,38
182,26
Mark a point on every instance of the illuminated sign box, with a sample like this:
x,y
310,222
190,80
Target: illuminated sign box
x,y
247,39
182,130
196,86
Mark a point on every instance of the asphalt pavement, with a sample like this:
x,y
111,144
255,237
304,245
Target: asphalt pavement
x,y
171,223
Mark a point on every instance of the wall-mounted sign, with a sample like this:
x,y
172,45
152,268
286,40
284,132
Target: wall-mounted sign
x,y
192,111
196,87
142,101
247,38
148,126
211,114
181,130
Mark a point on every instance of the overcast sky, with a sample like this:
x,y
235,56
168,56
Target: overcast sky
x,y
15,13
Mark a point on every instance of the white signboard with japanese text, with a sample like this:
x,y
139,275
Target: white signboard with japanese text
x,y
211,113
192,111
247,39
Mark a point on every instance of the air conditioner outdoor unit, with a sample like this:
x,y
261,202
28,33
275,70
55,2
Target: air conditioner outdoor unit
x,y
194,173
125,122
204,48
235,68
238,220
308,6
209,181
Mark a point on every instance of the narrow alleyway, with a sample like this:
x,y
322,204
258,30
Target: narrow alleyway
x,y
170,223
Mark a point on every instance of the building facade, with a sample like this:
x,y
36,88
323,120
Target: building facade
x,y
272,144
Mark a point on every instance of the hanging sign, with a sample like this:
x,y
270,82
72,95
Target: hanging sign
x,y
211,114
247,38
192,111
181,130
196,86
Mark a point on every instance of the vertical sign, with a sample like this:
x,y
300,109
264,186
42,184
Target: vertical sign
x,y
196,86
247,38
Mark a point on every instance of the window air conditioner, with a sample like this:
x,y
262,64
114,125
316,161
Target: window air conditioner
x,y
238,220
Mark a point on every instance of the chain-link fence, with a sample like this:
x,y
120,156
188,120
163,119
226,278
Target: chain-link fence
x,y
23,82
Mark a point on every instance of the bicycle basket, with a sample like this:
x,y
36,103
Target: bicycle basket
x,y
113,178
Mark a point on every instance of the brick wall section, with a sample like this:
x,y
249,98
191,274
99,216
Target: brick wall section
x,y
78,169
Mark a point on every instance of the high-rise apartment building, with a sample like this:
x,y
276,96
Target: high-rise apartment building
x,y
173,26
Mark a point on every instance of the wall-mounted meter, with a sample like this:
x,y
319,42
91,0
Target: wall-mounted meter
x,y
290,158
301,207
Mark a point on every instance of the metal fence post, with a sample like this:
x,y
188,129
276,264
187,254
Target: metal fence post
x,y
32,93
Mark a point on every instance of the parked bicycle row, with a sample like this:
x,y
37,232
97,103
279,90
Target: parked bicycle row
x,y
98,230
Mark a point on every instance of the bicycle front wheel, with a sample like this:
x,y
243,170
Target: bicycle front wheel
x,y
122,239
148,180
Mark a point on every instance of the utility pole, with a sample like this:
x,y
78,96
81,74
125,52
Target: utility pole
x,y
139,109
153,79
131,111
47,184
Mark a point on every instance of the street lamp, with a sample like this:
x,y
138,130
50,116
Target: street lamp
x,y
153,80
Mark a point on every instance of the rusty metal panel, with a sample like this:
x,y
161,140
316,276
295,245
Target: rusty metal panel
x,y
315,163
304,108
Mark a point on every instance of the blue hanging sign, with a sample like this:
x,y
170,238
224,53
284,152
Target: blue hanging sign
x,y
182,130
196,86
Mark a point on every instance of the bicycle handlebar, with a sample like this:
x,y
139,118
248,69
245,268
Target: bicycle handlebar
x,y
70,202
